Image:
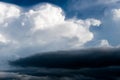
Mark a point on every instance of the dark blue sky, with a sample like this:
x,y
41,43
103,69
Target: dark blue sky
x,y
69,6
34,2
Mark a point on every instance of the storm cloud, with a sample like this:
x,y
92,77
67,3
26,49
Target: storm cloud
x,y
90,58
88,64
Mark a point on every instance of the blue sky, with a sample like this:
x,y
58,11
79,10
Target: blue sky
x,y
32,26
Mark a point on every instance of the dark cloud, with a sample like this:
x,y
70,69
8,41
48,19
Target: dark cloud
x,y
106,73
87,64
72,59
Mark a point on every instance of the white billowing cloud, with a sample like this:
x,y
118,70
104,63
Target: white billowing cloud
x,y
8,12
3,39
45,16
116,14
51,21
104,44
42,28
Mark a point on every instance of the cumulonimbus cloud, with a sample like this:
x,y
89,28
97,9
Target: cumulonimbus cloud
x,y
41,28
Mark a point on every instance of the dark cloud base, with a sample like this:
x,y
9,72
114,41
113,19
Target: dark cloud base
x,y
107,73
91,64
91,58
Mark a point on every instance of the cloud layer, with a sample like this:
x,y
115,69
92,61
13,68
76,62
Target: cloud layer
x,y
91,64
78,59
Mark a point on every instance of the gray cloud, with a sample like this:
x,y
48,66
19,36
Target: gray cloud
x,y
92,58
106,73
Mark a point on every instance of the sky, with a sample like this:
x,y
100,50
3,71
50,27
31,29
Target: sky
x,y
60,39
29,27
